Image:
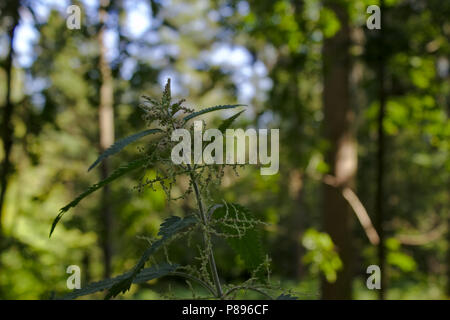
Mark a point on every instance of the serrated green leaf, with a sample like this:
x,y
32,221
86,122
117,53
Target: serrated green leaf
x,y
122,143
116,174
173,224
211,109
246,244
227,122
145,275
170,227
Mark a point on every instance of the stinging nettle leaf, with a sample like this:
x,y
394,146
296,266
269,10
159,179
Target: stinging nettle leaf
x,y
211,109
122,143
173,224
170,227
227,122
247,244
145,275
116,174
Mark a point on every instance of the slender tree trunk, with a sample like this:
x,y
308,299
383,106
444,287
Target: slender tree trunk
x,y
106,125
448,252
341,156
380,162
86,263
448,217
296,225
6,125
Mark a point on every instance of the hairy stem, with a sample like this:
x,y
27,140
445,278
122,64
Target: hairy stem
x,y
206,239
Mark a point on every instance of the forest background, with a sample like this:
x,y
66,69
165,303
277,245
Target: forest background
x,y
364,138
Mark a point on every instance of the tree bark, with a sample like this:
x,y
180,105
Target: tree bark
x,y
106,126
448,250
7,131
297,224
341,155
380,163
448,206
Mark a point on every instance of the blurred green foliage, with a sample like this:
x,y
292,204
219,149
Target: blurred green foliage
x,y
270,58
321,254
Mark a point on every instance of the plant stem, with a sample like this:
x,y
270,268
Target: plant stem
x,y
206,240
190,277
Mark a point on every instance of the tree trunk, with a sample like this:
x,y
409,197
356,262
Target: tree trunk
x,y
6,125
341,155
106,125
297,224
448,217
448,253
380,162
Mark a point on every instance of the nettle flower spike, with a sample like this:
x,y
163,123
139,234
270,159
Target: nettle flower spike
x,y
166,98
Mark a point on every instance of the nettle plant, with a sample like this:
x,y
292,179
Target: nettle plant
x,y
230,221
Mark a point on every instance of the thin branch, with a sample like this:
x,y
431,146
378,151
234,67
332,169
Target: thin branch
x,y
358,208
421,239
